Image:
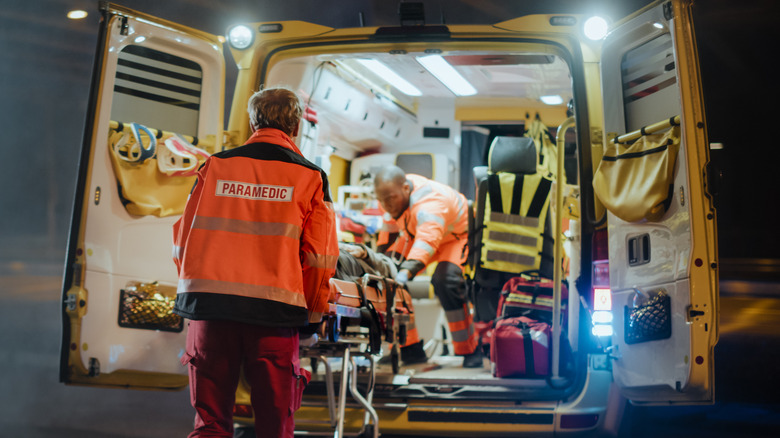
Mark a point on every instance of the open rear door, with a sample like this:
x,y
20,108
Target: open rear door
x,y
152,80
663,269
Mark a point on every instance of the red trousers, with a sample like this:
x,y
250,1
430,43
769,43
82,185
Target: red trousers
x,y
216,351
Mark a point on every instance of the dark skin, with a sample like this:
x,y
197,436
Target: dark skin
x,y
392,190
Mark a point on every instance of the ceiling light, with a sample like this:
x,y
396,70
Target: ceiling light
x,y
447,74
77,14
390,76
552,100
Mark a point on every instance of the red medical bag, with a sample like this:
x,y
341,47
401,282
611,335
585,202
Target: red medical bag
x,y
520,347
528,292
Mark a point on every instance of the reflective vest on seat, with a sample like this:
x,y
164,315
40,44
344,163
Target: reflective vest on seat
x,y
516,235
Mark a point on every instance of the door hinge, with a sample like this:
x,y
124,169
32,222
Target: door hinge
x,y
123,27
668,11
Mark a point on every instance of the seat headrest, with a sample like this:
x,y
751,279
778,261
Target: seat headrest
x,y
512,155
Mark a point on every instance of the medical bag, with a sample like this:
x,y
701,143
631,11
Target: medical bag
x,y
520,347
525,292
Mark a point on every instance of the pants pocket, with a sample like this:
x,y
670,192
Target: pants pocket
x,y
300,379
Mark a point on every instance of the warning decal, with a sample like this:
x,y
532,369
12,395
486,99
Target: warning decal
x,y
260,192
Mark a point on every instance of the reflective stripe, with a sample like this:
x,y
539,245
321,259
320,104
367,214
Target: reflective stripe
x,y
424,216
319,260
419,244
454,316
176,252
419,194
246,227
510,257
462,335
243,289
513,219
512,238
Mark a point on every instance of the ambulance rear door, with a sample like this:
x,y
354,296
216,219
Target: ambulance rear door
x,y
663,273
152,79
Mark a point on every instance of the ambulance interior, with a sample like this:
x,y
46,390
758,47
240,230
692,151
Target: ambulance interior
x,y
361,116
363,110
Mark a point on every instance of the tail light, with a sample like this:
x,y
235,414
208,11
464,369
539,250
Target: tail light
x,y
602,296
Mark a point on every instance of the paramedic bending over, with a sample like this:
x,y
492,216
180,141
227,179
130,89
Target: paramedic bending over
x,y
255,249
432,222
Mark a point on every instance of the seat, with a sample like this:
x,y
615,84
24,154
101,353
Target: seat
x,y
512,230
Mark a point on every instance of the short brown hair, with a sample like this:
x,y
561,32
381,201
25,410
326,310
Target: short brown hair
x,y
276,107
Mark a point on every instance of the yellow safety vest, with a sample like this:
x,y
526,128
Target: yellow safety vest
x,y
516,210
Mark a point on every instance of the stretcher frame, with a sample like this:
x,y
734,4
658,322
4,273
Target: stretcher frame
x,y
363,305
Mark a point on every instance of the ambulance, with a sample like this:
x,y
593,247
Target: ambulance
x,y
616,112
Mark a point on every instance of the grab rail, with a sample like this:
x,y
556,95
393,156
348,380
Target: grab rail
x,y
558,248
649,129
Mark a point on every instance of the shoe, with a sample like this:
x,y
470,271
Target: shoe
x,y
414,353
473,360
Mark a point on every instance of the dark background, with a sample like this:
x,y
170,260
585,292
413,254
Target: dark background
x,y
46,61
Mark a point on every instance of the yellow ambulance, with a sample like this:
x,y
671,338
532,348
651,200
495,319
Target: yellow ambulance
x,y
615,110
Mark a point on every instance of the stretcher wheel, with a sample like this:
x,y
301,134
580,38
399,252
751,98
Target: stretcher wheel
x,y
333,330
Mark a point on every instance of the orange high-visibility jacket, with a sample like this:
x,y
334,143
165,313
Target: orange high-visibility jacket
x,y
257,240
435,226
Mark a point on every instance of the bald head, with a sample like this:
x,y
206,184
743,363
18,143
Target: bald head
x,y
392,190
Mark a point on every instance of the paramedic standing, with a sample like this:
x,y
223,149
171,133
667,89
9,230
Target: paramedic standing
x,y
255,249
432,221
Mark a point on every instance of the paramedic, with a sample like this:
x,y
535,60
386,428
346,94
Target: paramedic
x,y
255,249
432,226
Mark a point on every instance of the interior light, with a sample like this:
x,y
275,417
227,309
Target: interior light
x,y
139,40
77,14
241,37
390,76
602,330
595,28
552,100
447,74
658,25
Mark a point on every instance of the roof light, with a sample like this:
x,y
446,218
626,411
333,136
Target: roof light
x,y
390,76
77,14
447,74
552,100
595,28
241,37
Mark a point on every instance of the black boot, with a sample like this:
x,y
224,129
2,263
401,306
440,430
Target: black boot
x,y
473,360
413,353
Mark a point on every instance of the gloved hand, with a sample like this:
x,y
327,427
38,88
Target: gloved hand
x,y
402,277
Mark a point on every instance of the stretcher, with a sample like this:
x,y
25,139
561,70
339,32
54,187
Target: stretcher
x,y
356,324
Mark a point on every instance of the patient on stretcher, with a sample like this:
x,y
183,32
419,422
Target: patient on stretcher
x,y
356,260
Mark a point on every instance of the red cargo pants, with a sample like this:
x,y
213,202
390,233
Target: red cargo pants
x,y
215,352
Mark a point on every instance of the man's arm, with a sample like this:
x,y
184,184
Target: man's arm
x,y
182,227
319,252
